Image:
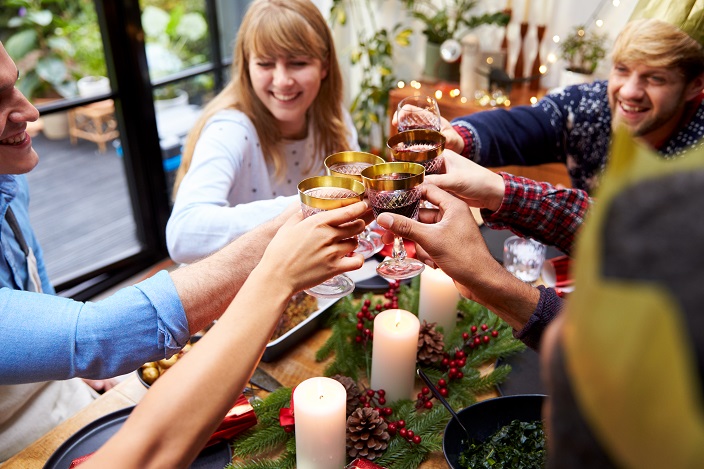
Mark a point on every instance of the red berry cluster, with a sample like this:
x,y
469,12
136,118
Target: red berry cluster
x,y
364,331
479,336
400,427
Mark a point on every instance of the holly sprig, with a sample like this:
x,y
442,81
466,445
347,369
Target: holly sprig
x,y
349,350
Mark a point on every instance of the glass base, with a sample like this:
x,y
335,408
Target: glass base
x,y
369,244
400,269
336,287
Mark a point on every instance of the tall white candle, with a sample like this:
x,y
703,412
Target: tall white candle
x,y
438,299
319,408
394,350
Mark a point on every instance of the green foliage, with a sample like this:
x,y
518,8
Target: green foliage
x,y
583,49
84,33
35,38
451,18
519,445
373,54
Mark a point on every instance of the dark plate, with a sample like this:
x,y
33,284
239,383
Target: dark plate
x,y
485,418
525,374
91,437
276,348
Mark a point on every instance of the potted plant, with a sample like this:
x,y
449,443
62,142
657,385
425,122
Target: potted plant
x,y
582,49
449,19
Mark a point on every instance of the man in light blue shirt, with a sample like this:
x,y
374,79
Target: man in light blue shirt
x,y
46,337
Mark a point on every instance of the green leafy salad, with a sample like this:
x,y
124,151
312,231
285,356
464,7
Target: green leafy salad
x,y
518,445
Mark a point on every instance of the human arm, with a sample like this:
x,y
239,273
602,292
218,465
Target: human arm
x,y
528,208
449,238
166,429
60,338
226,192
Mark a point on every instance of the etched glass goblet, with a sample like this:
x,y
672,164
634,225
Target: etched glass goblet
x,y
320,193
421,146
395,187
418,112
350,164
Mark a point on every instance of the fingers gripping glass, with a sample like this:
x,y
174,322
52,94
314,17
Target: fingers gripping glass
x,y
395,187
418,112
350,164
322,193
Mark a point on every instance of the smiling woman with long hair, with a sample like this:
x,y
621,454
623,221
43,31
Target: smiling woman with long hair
x,y
270,127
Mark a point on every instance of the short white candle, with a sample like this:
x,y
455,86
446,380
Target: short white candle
x,y
438,299
319,408
394,350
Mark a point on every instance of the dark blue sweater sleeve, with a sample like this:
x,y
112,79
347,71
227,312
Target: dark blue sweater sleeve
x,y
548,308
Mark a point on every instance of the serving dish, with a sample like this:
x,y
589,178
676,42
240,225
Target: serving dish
x,y
94,435
278,346
485,418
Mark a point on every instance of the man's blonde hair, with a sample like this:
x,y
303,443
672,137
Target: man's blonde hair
x,y
280,28
656,43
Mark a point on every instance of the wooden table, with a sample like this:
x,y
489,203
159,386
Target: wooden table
x,y
453,107
94,122
297,365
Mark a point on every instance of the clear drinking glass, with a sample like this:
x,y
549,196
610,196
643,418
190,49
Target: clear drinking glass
x,y
418,112
395,187
421,146
524,258
350,164
320,193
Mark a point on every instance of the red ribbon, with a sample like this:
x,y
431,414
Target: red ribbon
x,y
286,417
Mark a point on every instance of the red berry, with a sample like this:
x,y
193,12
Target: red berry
x,y
416,439
288,428
465,336
388,411
471,345
387,305
370,392
358,339
484,327
453,371
367,302
362,399
494,333
459,375
460,354
419,395
410,434
360,315
401,423
487,339
381,392
366,404
445,362
378,307
442,383
378,410
428,405
425,390
391,428
403,432
444,392
477,341
473,328
367,331
382,401
360,326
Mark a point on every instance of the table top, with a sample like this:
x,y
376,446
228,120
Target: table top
x,y
297,365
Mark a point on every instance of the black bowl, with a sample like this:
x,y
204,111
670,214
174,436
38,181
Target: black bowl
x,y
485,418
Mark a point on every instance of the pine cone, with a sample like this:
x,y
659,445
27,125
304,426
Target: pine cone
x,y
352,392
366,434
430,344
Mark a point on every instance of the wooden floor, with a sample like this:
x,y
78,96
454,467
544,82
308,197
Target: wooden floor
x,y
80,207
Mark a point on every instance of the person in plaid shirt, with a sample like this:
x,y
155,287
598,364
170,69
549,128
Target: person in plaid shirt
x,y
654,88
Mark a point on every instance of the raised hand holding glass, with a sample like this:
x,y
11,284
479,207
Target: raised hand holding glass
x,y
320,193
418,112
395,187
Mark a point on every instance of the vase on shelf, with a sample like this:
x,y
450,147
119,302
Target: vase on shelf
x,y
436,68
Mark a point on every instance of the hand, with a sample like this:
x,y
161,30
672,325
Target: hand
x,y
453,140
476,185
306,252
448,237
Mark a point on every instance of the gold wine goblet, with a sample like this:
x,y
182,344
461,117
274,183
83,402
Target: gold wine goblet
x,y
350,164
320,193
395,187
420,146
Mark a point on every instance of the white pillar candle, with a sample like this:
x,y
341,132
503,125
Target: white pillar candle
x,y
394,350
438,299
319,409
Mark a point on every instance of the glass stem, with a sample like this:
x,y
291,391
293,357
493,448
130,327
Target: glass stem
x,y
399,250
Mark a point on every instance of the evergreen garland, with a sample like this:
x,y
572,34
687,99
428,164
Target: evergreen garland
x,y
353,359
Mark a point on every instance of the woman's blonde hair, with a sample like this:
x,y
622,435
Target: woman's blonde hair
x,y
657,43
279,28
